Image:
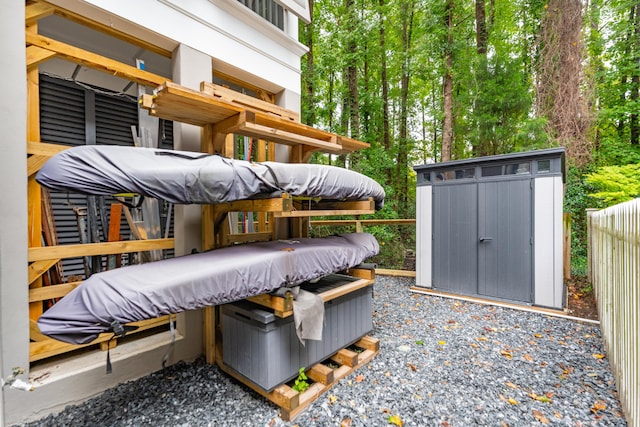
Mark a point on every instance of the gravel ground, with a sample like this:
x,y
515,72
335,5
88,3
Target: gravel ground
x,y
442,362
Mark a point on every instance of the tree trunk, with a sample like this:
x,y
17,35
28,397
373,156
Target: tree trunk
x,y
447,85
403,139
352,70
481,29
386,138
309,89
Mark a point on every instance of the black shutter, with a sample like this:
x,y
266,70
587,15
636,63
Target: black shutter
x,y
63,121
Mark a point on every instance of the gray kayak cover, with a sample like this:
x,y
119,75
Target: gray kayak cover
x,y
173,285
187,177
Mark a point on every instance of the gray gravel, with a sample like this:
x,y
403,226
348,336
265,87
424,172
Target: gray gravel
x,y
442,362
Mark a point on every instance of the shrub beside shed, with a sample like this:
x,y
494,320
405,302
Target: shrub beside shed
x,y
491,227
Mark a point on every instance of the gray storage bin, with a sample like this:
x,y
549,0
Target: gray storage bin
x,y
266,350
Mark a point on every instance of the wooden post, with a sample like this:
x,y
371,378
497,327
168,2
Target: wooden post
x,y
566,238
590,212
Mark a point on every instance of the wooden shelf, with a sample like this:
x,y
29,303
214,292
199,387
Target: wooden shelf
x,y
238,114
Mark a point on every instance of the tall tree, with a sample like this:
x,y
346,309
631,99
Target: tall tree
x,y
447,84
559,98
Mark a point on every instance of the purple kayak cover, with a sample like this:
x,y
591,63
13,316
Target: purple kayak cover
x,y
195,178
146,291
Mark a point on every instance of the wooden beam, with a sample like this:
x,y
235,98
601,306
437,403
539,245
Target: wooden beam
x,y
95,61
50,292
249,102
302,214
345,289
34,332
343,222
110,30
39,350
91,249
45,149
34,163
38,268
37,55
33,12
276,204
250,237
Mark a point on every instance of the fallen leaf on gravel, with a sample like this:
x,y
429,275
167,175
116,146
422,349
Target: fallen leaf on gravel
x,y
527,358
395,420
413,367
506,354
558,415
543,398
537,335
598,406
511,385
386,411
333,399
420,342
442,342
346,422
359,378
482,338
540,417
513,401
598,355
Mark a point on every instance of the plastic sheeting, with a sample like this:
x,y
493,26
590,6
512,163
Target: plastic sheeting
x,y
187,177
190,282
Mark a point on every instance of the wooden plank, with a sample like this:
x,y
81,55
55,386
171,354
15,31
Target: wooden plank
x,y
327,205
282,306
362,273
48,348
368,343
38,268
395,273
34,163
115,216
95,61
299,214
34,197
321,374
50,292
111,29
33,12
286,137
34,332
264,236
276,204
344,289
345,357
37,55
45,149
91,249
246,101
344,222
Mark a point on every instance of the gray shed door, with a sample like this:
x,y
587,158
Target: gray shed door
x,y
455,237
482,239
504,240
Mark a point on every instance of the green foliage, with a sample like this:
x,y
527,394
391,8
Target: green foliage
x,y
301,383
616,184
614,151
576,201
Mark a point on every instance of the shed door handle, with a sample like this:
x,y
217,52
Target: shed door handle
x,y
484,239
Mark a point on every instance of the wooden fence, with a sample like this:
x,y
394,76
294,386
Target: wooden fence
x,y
614,268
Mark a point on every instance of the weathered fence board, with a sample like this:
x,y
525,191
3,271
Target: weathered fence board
x,y
614,267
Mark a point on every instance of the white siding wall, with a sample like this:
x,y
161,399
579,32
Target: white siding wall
x,y
424,221
548,287
14,330
240,42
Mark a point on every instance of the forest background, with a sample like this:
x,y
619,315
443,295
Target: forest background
x,y
426,81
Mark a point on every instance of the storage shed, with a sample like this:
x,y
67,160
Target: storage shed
x,y
491,227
